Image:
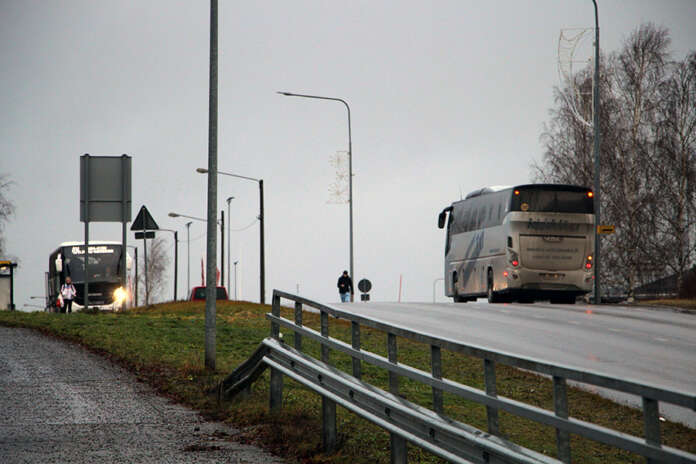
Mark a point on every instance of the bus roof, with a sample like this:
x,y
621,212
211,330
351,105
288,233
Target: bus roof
x,y
92,242
500,188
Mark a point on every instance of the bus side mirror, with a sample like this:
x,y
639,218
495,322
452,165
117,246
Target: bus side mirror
x,y
129,262
59,264
441,220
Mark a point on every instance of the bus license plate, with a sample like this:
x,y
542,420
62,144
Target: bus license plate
x,y
551,275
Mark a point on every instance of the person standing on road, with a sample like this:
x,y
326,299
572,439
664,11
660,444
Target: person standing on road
x,y
68,292
345,287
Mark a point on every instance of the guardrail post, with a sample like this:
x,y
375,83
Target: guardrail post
x,y
436,370
491,390
276,394
399,452
355,342
275,310
651,418
325,333
560,406
298,322
328,407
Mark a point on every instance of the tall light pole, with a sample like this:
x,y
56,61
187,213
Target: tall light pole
x,y
350,173
229,240
235,280
210,287
188,258
262,247
597,185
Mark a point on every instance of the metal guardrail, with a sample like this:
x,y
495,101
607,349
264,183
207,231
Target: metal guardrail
x,y
431,429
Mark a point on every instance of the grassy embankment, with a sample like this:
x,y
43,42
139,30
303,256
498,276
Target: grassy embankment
x,y
677,303
163,345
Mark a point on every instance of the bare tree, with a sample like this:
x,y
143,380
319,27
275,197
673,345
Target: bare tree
x,y
647,119
675,135
638,72
6,209
157,264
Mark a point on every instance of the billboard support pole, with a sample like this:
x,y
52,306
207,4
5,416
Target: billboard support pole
x,y
124,217
86,197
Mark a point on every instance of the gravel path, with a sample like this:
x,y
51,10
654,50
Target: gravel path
x,y
60,403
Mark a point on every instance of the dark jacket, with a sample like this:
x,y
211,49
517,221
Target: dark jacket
x,y
345,284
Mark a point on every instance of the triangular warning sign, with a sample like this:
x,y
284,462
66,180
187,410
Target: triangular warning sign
x,y
144,221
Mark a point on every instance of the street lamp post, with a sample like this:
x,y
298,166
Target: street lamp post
x,y
350,173
229,240
222,248
595,125
262,253
188,258
235,280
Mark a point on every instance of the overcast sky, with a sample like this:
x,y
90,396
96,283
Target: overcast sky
x,y
445,96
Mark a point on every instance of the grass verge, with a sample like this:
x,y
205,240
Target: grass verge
x,y
679,303
163,345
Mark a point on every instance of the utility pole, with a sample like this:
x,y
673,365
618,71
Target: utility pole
x,y
210,289
597,183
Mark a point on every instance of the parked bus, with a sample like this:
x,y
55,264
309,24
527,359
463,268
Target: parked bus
x,y
105,291
520,243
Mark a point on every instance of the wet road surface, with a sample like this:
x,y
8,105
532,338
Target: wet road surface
x,y
654,346
60,403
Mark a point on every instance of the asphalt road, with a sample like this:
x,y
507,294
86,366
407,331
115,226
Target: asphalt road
x,y
654,346
61,404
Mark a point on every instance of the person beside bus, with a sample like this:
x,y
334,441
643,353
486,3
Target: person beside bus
x,y
345,287
68,292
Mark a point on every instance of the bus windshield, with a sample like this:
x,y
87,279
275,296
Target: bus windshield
x,y
104,262
552,200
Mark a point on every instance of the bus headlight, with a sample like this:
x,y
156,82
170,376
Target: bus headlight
x,y
120,295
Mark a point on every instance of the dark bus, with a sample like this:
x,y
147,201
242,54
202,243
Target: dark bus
x,y
68,260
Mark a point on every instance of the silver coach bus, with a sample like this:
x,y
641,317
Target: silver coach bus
x,y
520,243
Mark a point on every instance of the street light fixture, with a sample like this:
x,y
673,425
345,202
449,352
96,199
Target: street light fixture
x,y
350,172
262,247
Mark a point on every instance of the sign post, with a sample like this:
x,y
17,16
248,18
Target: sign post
x,y
365,286
145,222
